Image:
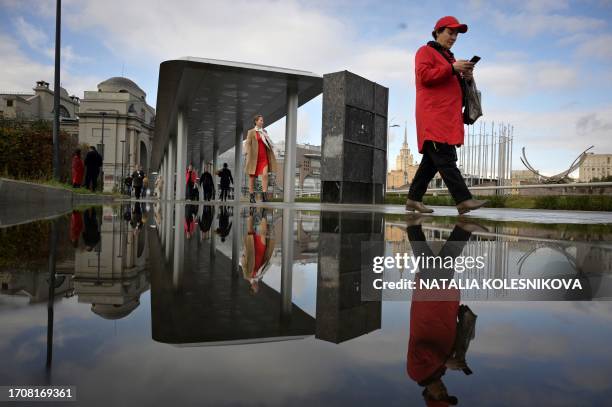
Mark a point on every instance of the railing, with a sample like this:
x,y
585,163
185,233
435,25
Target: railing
x,y
495,187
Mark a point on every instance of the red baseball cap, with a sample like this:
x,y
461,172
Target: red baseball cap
x,y
450,22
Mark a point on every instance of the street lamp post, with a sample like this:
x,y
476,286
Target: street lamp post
x,y
56,91
102,144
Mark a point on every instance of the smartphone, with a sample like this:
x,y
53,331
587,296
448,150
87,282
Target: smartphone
x,y
475,59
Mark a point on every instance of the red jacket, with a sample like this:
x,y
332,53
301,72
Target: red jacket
x,y
433,325
76,226
190,175
78,169
438,99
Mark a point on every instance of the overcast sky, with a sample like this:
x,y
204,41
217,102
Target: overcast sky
x,y
545,68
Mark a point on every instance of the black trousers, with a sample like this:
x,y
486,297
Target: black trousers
x,y
137,192
223,194
91,178
208,193
442,158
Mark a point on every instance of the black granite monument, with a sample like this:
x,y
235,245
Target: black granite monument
x,y
354,138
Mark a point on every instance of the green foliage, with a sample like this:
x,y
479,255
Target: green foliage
x,y
607,178
570,202
26,150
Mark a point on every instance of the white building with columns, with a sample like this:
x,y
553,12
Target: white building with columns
x,y
118,121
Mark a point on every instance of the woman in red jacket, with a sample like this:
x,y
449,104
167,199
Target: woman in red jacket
x,y
78,169
191,179
439,120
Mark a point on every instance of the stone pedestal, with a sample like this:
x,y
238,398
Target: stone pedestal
x,y
354,138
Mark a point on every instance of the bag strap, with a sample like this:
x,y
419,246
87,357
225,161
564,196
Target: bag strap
x,y
438,48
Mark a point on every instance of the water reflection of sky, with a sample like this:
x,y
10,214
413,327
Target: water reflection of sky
x,y
524,353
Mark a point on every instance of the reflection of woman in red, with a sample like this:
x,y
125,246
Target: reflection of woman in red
x,y
258,248
260,159
434,345
190,223
76,227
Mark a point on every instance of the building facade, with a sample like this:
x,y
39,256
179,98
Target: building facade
x,y
596,166
118,121
307,178
39,106
523,177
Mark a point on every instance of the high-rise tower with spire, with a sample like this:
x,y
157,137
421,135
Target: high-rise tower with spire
x,y
405,167
404,158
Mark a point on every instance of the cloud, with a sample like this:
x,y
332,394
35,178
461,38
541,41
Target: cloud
x,y
33,36
546,5
40,42
286,34
18,72
521,79
596,47
593,123
529,24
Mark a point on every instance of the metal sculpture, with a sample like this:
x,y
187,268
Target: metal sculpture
x,y
562,177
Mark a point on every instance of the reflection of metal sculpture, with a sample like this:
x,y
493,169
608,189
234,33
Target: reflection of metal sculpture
x,y
571,259
562,177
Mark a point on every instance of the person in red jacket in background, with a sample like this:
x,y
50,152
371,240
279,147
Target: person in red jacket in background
x,y
191,178
439,120
78,169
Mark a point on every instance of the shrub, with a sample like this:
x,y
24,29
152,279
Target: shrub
x,y
26,150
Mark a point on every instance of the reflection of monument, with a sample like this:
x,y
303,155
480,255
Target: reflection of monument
x,y
405,167
341,314
112,276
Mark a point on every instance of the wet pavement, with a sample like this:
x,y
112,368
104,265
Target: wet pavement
x,y
226,305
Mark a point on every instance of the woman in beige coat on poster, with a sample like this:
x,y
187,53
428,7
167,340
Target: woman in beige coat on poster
x,y
260,159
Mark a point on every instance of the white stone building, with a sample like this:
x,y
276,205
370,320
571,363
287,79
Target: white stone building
x,y
128,127
595,166
39,106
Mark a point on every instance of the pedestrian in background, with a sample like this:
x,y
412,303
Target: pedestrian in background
x,y
93,163
128,185
226,180
190,181
137,181
78,169
207,184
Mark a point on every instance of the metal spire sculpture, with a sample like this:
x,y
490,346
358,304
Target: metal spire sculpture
x,y
562,177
